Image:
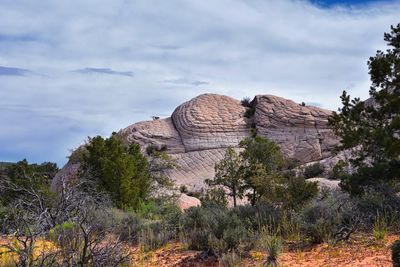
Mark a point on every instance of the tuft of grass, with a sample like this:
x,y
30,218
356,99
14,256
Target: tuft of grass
x,y
231,259
380,228
272,245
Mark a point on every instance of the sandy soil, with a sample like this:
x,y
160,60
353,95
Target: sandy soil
x,y
360,251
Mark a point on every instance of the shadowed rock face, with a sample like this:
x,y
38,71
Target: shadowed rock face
x,y
199,131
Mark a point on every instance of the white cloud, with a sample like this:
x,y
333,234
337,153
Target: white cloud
x,y
176,49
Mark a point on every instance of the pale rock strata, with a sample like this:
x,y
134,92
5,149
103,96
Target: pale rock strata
x,y
199,131
301,131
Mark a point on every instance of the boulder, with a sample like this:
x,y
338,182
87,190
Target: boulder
x,y
184,202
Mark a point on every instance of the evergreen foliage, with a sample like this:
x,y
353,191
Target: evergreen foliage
x,y
262,161
228,174
23,175
372,128
121,171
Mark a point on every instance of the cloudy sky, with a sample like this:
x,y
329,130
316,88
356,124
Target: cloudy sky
x,y
72,69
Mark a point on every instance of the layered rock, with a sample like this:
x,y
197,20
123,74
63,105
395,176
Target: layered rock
x,y
199,131
210,121
301,131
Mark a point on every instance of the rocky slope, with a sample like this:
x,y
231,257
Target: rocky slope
x,y
199,131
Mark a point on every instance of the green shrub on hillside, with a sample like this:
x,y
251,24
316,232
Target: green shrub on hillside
x,y
329,219
313,170
121,171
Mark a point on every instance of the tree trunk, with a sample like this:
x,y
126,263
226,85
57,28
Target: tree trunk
x,y
234,196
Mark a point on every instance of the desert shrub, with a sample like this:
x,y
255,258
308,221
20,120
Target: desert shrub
x,y
213,229
339,170
183,189
231,259
20,177
380,200
153,235
151,149
329,219
296,192
120,171
255,217
313,170
214,197
246,102
272,244
396,253
250,112
127,225
380,227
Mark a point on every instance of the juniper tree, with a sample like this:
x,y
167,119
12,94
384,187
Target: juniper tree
x,y
228,175
371,128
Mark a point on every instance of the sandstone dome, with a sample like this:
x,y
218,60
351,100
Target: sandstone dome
x,y
199,130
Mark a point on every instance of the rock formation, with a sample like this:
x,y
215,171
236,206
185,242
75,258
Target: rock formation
x,y
199,131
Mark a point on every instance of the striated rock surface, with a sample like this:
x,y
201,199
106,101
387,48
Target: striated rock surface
x,y
210,121
301,131
199,131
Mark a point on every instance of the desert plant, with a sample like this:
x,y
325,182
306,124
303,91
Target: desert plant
x,y
154,235
330,219
120,171
372,126
396,253
215,197
339,170
183,189
152,149
228,175
313,170
380,227
231,259
246,102
272,244
249,113
213,229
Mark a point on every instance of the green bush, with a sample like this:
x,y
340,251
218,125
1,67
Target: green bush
x,y
255,217
313,170
213,229
296,192
231,259
272,244
214,197
249,113
153,235
246,102
152,149
330,219
380,200
121,171
380,228
396,253
339,170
